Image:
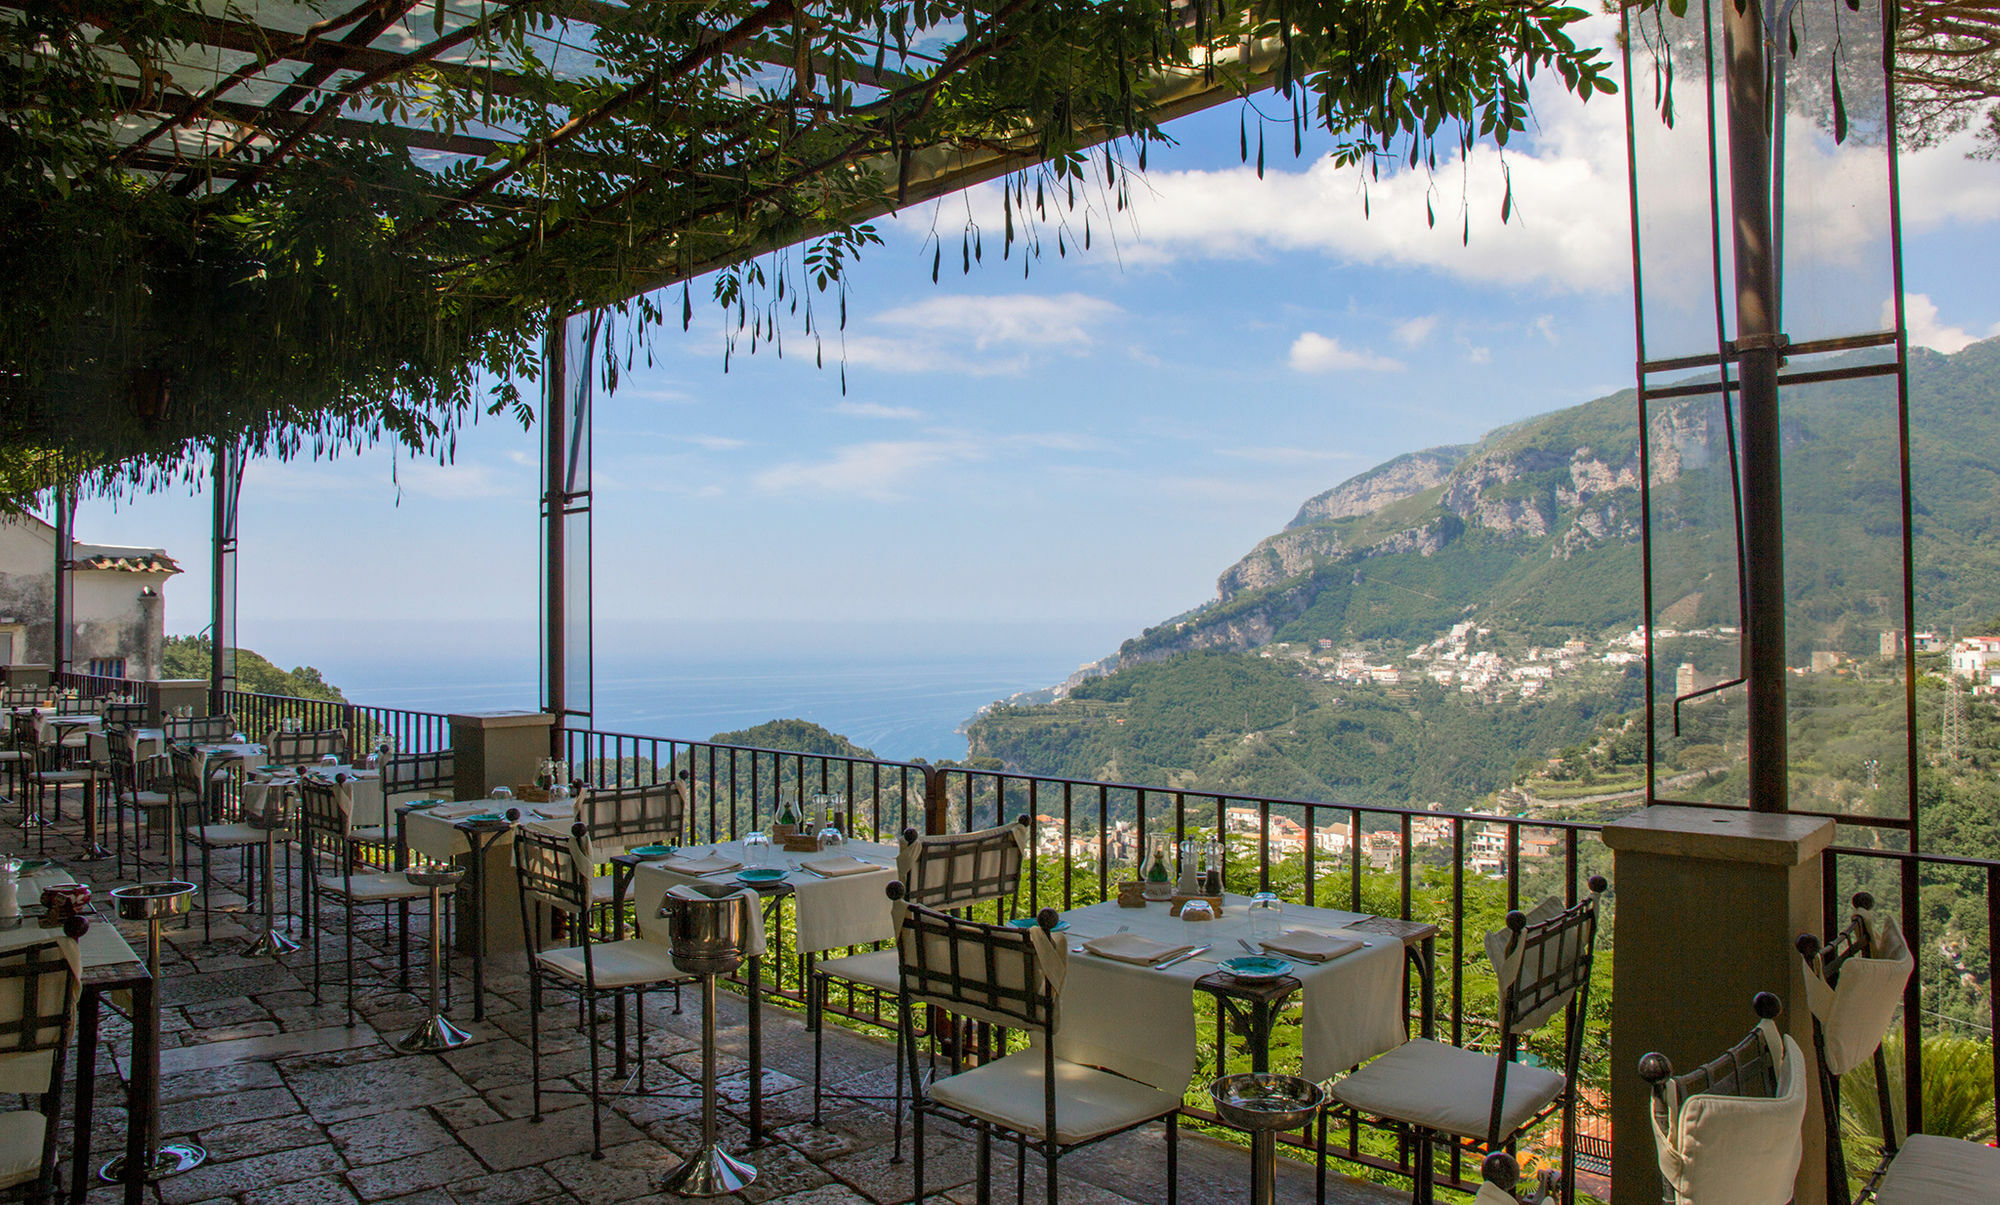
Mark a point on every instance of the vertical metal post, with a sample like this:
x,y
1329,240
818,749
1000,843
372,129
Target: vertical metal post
x,y
62,634
226,486
1757,345
555,660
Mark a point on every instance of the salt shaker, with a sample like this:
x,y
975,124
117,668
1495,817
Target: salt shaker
x,y
10,890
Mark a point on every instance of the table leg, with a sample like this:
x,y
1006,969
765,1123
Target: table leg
x,y
142,1091
621,882
1426,957
87,1006
93,851
477,874
1260,1036
754,1023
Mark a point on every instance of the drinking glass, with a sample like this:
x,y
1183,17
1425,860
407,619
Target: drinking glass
x,y
831,839
1197,910
1267,916
756,849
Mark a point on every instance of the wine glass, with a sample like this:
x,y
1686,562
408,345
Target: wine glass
x,y
756,848
501,795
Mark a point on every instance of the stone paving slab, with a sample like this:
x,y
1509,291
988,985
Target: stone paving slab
x,y
296,1107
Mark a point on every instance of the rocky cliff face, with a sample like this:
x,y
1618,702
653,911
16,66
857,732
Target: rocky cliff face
x,y
1404,477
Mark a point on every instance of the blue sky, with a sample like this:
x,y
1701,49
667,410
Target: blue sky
x,y
1089,446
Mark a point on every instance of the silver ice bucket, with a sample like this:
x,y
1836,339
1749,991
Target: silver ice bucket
x,y
707,927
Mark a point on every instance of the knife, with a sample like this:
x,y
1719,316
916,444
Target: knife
x,y
1177,959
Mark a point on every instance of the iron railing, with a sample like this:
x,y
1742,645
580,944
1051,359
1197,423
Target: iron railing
x,y
97,686
258,715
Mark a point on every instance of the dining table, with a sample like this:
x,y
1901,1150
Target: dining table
x,y
840,900
477,833
1353,1006
111,970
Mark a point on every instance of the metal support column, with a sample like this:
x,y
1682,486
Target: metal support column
x,y
62,634
226,489
567,677
1758,346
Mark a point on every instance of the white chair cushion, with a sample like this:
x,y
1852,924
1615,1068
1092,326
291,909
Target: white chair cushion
x,y
1447,1089
601,889
370,834
1929,1170
228,834
149,799
878,970
1089,1102
21,1133
628,963
374,888
65,777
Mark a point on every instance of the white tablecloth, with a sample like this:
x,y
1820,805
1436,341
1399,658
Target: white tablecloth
x,y
433,832
1353,1006
851,910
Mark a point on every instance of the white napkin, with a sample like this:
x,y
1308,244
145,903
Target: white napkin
x,y
835,867
1130,947
1308,946
712,863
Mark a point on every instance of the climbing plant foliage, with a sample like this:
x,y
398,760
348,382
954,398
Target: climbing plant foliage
x,y
308,225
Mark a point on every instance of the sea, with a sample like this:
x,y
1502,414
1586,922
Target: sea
x,y
903,690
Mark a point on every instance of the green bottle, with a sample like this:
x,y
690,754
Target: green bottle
x,y
1155,869
787,814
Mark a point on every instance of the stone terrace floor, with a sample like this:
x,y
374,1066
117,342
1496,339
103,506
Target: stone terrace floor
x,y
295,1108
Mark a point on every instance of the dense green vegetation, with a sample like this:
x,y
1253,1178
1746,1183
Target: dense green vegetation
x,y
188,657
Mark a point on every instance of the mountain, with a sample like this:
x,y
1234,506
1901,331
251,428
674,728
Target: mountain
x,y
1437,625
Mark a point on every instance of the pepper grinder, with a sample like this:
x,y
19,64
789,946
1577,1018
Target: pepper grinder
x,y
10,893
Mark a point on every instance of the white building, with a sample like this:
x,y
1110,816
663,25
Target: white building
x,y
1974,657
119,606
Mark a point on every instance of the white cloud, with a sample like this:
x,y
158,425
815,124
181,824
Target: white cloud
x,y
1921,313
451,482
1479,355
976,335
876,410
714,443
877,471
1415,330
1314,352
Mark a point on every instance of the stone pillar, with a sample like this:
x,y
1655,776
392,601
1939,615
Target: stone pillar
x,y
165,695
28,675
497,749
1709,904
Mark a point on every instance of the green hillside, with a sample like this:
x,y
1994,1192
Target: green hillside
x,y
1309,673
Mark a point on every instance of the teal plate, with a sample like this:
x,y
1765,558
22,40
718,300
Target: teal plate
x,y
654,851
1028,922
421,805
762,874
1257,967
483,816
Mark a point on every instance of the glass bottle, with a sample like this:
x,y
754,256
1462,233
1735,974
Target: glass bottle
x,y
1153,871
788,818
1211,879
1190,878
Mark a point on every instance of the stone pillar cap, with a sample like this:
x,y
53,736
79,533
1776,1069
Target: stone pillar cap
x,y
1721,834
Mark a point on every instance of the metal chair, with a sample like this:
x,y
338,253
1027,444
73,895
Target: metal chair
x,y
554,871
198,796
1854,983
1733,1128
619,817
1002,975
323,835
125,715
135,787
1433,1091
407,776
305,748
951,872
38,992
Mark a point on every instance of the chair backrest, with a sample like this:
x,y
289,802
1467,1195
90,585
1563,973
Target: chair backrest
x,y
617,818
323,820
970,969
124,715
202,729
86,705
190,771
1543,960
38,991
304,748
1732,1128
1854,983
957,870
418,774
546,868
25,696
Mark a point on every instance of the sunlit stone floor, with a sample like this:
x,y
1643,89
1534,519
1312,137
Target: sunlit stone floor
x,y
296,1108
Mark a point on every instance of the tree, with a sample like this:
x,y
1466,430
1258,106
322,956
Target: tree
x,y
189,657
1948,71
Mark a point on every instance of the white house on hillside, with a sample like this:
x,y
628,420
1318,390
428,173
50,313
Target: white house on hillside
x,y
119,609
